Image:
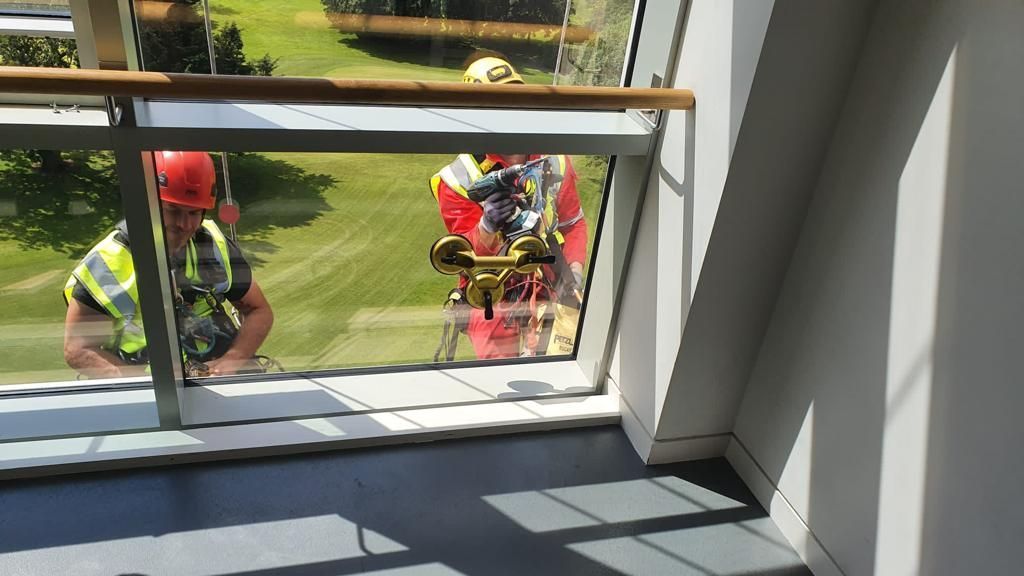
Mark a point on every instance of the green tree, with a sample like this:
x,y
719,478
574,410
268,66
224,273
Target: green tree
x,y
531,11
178,44
28,51
523,51
599,61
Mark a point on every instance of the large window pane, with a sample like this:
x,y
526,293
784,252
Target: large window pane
x,y
584,40
55,206
339,244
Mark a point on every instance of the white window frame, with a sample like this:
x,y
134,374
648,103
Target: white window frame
x,y
170,419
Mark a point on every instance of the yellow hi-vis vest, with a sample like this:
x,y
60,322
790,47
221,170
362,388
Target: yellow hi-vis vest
x,y
108,275
464,170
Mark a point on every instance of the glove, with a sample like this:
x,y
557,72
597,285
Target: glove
x,y
578,277
577,274
497,210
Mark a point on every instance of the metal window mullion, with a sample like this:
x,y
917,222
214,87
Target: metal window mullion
x,y
115,42
85,40
152,274
656,54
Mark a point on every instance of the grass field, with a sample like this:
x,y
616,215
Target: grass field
x,y
300,35
338,242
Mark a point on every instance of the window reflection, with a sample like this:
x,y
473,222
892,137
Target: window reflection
x,y
577,42
339,245
54,206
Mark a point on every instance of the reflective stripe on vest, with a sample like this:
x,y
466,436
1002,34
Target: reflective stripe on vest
x,y
557,165
459,175
222,255
464,170
108,275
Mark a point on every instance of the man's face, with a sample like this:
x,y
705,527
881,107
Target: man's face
x,y
513,159
180,223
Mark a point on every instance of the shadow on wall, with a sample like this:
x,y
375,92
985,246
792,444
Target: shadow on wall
x,y
839,387
973,517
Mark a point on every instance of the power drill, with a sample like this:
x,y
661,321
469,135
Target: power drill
x,y
523,220
499,180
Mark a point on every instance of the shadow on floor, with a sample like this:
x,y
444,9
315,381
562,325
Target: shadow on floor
x,y
569,502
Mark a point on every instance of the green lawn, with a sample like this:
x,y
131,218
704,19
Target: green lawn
x,y
348,273
300,35
339,242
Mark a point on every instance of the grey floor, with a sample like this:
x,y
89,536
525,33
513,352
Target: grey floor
x,y
571,502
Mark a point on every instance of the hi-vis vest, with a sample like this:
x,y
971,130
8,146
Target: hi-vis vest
x,y
108,274
464,170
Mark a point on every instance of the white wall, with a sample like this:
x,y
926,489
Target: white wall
x,y
885,401
717,57
726,197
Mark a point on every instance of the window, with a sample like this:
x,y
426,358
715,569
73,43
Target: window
x,y
340,244
55,205
579,42
335,209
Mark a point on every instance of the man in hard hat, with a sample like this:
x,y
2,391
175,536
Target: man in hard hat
x,y
518,327
221,311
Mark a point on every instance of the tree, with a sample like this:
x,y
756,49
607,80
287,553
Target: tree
x,y
28,51
521,50
530,11
599,61
178,44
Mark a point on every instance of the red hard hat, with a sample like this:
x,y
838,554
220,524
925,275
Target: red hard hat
x,y
186,178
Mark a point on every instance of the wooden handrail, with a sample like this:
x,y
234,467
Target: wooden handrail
x,y
335,90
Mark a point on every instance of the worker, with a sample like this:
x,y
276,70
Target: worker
x,y
222,314
517,328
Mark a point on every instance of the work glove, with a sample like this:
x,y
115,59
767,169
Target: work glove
x,y
577,274
578,277
497,210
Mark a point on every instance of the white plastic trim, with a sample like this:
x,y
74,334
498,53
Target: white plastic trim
x,y
28,126
788,520
69,455
338,128
53,27
301,397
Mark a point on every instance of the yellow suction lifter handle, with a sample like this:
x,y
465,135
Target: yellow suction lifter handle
x,y
453,254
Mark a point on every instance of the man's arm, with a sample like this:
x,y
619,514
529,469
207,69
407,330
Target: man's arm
x,y
257,319
85,331
572,223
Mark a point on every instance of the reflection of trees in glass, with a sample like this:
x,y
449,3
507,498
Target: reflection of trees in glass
x,y
533,50
532,11
599,61
177,43
28,51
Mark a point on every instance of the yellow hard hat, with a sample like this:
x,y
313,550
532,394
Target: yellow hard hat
x,y
491,70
